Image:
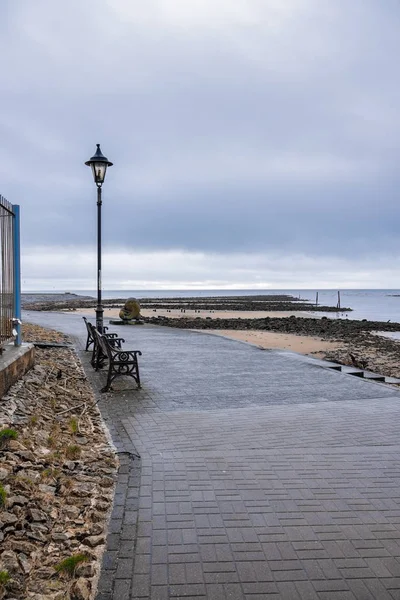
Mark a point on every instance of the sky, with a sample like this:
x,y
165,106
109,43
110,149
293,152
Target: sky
x,y
256,143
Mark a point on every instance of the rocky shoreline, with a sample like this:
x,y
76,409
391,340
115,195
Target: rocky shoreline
x,y
57,477
278,303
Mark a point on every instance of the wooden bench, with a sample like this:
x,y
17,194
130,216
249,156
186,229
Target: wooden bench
x,y
120,361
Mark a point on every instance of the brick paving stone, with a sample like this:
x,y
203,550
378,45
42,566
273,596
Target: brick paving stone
x,y
247,474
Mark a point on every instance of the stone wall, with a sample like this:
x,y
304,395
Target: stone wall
x,y
14,363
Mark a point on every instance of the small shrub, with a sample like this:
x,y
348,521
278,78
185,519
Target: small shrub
x,y
50,473
33,420
4,578
73,452
51,441
68,565
3,496
73,425
6,435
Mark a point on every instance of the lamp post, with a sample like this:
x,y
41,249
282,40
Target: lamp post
x,y
99,164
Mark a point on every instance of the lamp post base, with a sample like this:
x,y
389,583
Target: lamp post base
x,y
99,318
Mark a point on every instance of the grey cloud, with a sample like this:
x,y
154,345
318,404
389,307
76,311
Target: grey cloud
x,y
245,126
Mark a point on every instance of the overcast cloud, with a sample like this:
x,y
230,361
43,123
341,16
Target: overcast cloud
x,y
256,143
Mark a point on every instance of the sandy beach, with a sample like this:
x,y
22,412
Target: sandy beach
x,y
113,313
284,341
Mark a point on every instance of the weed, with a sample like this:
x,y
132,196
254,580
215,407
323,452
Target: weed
x,y
4,578
6,435
73,425
3,496
33,420
68,565
73,452
50,473
51,441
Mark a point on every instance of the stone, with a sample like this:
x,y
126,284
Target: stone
x,y
85,570
81,589
59,537
19,500
22,546
107,482
72,511
70,464
47,489
37,535
7,518
9,562
94,540
25,563
37,515
130,310
3,474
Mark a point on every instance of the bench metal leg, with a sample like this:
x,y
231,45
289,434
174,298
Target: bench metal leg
x,y
116,369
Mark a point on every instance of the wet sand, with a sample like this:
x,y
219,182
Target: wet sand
x,y
284,341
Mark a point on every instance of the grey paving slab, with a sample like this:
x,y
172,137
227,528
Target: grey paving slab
x,y
261,474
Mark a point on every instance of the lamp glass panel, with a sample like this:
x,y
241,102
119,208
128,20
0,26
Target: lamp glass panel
x,y
99,171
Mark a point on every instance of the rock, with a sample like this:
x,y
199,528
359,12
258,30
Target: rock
x,y
7,518
19,500
37,535
25,563
22,546
107,482
37,515
72,511
3,474
9,562
81,589
69,464
94,540
85,570
59,537
15,445
81,440
96,517
47,489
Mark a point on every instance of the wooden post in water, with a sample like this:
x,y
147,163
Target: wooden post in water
x,y
316,300
338,298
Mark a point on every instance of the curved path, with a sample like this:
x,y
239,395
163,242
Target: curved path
x,y
262,475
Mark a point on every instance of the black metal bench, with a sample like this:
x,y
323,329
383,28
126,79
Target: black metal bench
x,y
90,338
120,361
112,337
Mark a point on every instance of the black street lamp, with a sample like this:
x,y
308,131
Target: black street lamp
x,y
99,164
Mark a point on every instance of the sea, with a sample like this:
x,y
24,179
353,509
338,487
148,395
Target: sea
x,y
373,305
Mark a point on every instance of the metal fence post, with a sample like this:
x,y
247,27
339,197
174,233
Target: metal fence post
x,y
17,275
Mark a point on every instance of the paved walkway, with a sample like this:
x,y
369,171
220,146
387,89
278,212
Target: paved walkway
x,y
262,475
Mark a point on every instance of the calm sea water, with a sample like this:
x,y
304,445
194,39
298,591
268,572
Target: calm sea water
x,y
374,305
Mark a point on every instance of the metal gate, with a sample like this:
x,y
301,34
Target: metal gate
x,y
10,274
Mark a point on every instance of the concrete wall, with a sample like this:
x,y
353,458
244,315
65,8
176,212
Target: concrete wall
x,y
14,363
